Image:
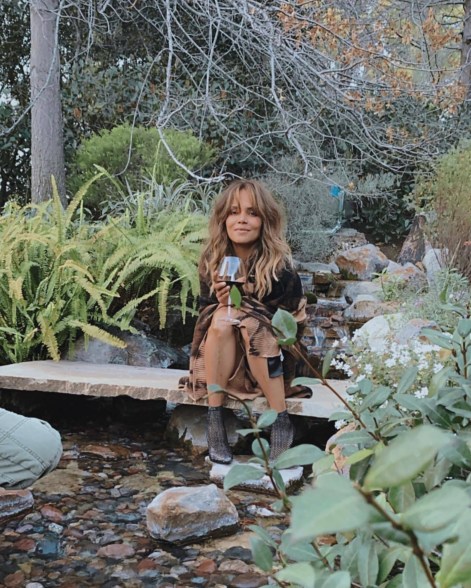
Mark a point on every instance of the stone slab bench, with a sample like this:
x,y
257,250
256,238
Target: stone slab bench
x,y
142,383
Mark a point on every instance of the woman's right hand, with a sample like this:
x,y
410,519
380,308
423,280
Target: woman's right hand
x,y
221,291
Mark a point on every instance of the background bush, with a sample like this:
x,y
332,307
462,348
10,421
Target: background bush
x,y
448,193
310,209
131,155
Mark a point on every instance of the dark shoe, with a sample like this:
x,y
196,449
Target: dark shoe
x,y
218,445
281,436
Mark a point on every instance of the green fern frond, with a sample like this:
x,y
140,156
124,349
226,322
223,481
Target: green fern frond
x,y
16,288
162,300
48,338
134,303
70,264
97,333
77,199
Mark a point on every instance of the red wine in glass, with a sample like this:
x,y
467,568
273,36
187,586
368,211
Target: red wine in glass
x,y
231,270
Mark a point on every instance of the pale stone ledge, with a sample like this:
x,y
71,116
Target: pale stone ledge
x,y
143,383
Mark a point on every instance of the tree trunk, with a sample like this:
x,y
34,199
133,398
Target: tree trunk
x,y
47,143
466,48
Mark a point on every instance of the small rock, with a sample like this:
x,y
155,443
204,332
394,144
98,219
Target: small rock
x,y
207,566
14,502
182,515
116,551
248,580
52,513
234,565
25,544
13,580
107,451
239,553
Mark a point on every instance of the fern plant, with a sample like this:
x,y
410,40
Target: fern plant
x,y
62,275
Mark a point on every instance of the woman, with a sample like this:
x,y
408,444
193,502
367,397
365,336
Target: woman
x,y
241,354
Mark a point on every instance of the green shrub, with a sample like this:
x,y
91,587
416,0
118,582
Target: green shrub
x,y
61,275
401,516
130,155
446,197
381,209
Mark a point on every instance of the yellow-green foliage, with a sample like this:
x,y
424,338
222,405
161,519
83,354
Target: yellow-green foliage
x,y
448,194
61,274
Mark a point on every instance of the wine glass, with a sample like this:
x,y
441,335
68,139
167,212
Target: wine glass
x,y
231,271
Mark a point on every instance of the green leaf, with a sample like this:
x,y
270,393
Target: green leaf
x,y
456,560
284,324
401,497
298,456
257,450
264,536
388,558
332,506
337,580
436,509
413,575
262,554
368,563
375,398
457,452
408,378
235,296
297,551
302,574
245,432
436,338
464,327
327,361
267,418
286,342
405,457
303,381
240,473
323,465
359,456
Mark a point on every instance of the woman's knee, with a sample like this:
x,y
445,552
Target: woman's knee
x,y
29,448
220,327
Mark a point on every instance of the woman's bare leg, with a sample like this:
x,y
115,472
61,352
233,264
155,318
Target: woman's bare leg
x,y
273,388
220,353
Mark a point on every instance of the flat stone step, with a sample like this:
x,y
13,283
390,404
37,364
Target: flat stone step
x,y
143,383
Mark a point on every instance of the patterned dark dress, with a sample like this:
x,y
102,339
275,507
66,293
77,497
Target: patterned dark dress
x,y
254,337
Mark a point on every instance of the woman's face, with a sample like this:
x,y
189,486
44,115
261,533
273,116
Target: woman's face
x,y
243,225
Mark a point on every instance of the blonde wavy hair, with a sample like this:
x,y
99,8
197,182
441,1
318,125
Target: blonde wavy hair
x,y
272,253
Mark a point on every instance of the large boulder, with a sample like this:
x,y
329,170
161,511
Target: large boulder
x,y
191,514
366,307
433,262
361,263
381,329
407,275
141,350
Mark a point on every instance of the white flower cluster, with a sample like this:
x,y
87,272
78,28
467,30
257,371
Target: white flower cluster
x,y
387,365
